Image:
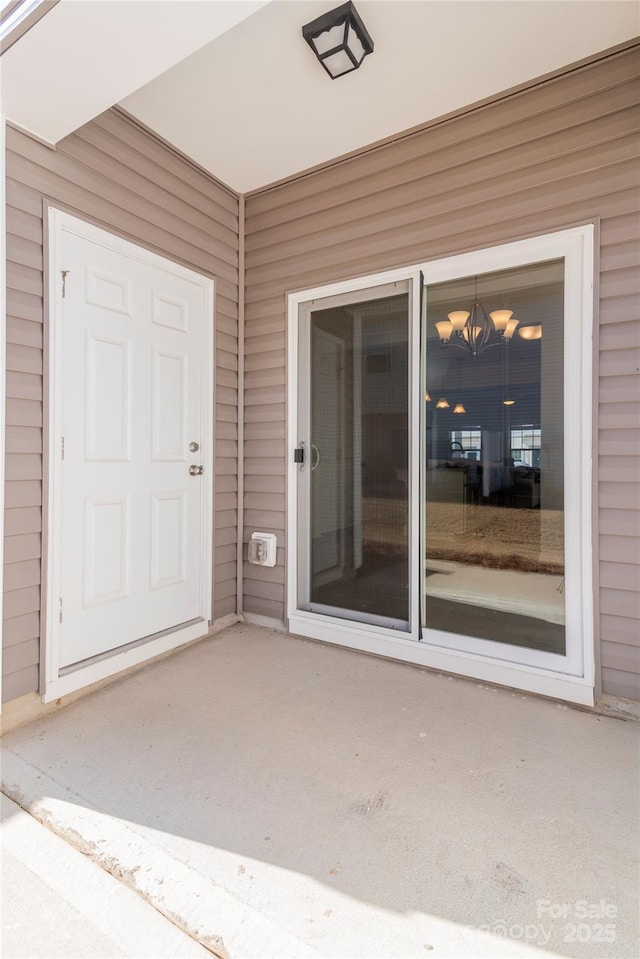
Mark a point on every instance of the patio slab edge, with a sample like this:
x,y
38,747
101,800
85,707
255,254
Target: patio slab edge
x,y
203,910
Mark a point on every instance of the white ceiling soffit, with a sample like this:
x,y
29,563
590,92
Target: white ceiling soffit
x,y
86,55
255,106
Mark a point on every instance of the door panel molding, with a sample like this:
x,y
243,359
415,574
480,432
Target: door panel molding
x,y
116,295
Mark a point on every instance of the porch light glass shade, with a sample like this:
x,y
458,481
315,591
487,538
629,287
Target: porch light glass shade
x,y
459,408
531,332
442,404
458,319
445,329
510,329
339,39
472,333
500,319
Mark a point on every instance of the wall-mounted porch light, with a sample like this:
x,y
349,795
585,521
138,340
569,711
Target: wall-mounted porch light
x,y
339,39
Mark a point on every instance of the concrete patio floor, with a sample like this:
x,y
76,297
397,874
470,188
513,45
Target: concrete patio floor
x,y
272,796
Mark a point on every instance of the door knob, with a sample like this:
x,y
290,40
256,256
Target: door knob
x,y
196,470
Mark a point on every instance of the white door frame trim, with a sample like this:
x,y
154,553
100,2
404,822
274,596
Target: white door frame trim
x,y
57,683
574,683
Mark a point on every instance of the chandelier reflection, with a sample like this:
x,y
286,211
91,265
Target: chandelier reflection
x,y
475,331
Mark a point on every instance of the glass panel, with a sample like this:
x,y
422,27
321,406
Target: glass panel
x,y
494,451
358,500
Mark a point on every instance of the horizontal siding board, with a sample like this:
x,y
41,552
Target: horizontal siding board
x,y
20,439
620,576
619,309
107,144
17,602
20,656
24,386
273,574
22,493
225,245
21,575
619,602
225,572
619,549
264,607
19,521
23,466
432,176
618,469
24,333
57,175
25,225
24,306
276,483
472,207
23,412
616,682
225,590
225,536
620,629
619,442
621,656
620,522
21,629
620,336
19,684
24,279
224,607
619,495
118,125
22,196
22,546
114,173
24,359
525,116
24,252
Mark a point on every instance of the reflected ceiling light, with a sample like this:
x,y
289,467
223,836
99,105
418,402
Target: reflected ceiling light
x,y
339,39
443,403
473,331
509,402
459,408
531,332
427,397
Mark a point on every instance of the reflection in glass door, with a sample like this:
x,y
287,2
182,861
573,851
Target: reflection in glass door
x,y
494,457
353,483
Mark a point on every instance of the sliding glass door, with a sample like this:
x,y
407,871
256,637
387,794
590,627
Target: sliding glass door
x,y
494,457
353,471
440,481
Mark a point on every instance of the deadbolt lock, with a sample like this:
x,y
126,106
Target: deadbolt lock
x,y
196,470
194,447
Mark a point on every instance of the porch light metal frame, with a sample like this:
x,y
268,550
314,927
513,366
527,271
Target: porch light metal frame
x,y
339,40
475,332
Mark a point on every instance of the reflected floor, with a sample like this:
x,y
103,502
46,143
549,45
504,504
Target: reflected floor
x,y
495,625
539,595
378,588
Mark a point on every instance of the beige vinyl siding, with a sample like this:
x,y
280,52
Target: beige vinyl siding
x,y
561,153
112,172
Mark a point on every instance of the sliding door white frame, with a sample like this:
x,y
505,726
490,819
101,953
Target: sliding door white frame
x,y
570,677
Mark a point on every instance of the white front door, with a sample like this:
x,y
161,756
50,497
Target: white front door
x,y
132,527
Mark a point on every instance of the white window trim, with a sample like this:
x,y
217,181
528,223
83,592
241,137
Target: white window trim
x,y
573,678
57,683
